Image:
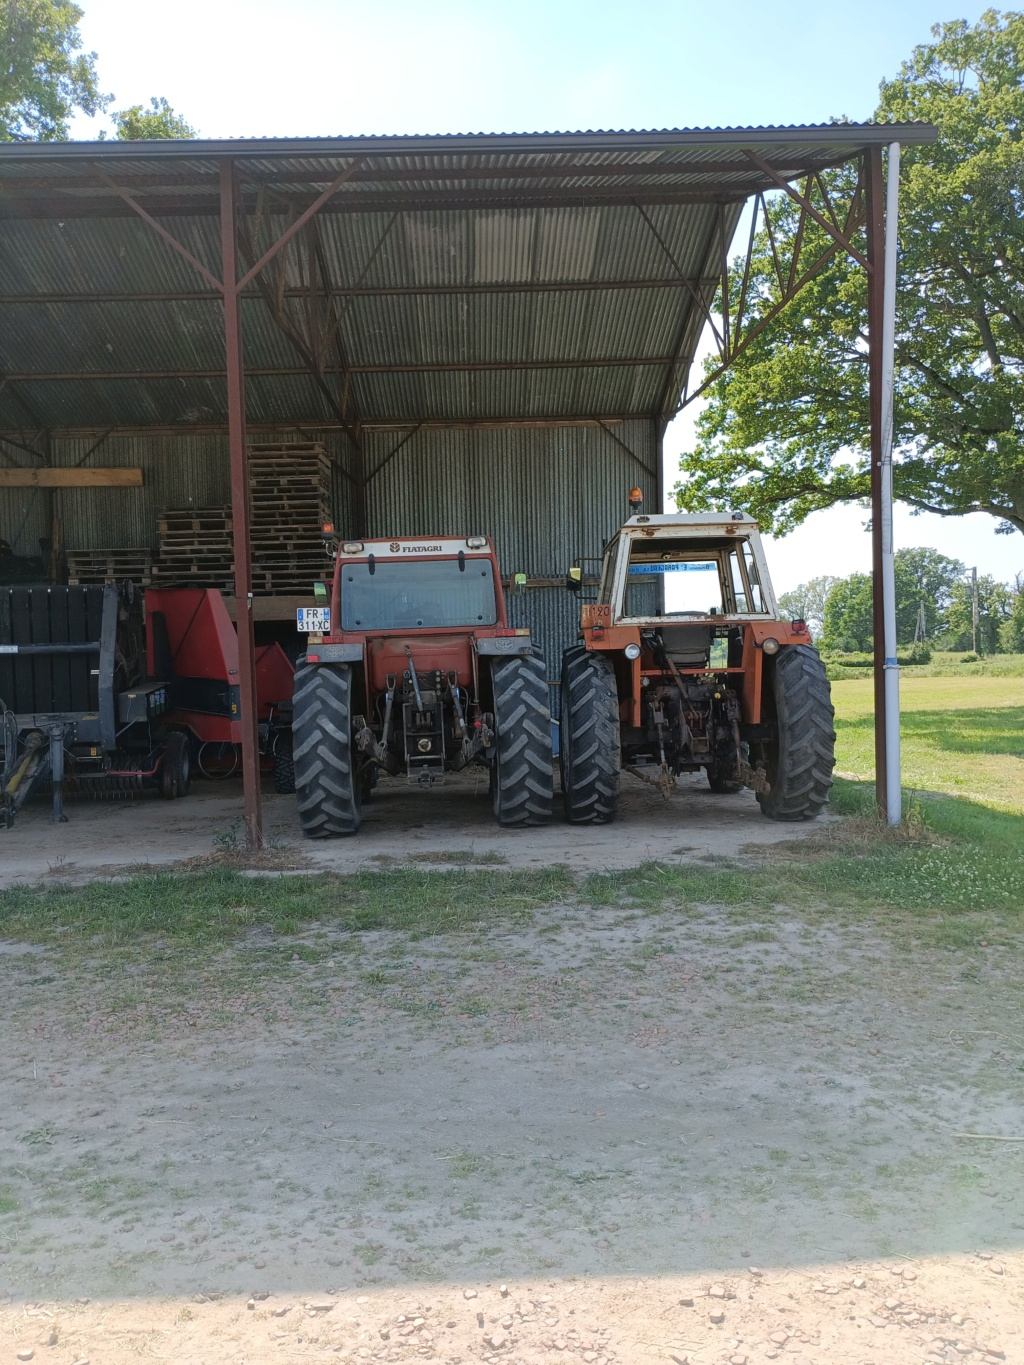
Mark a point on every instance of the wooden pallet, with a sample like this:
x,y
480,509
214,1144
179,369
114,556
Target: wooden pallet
x,y
112,564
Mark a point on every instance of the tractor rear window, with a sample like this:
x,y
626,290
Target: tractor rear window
x,y
667,578
410,594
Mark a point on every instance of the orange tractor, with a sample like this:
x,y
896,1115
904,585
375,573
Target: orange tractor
x,y
414,670
684,665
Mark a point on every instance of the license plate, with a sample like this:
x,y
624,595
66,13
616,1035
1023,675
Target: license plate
x,y
314,620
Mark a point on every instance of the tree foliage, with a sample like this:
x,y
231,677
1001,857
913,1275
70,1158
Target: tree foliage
x,y
44,76
785,431
922,575
157,122
807,602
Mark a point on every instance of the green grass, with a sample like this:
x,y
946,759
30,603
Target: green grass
x,y
964,739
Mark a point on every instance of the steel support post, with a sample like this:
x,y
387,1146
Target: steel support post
x,y
240,513
893,780
876,312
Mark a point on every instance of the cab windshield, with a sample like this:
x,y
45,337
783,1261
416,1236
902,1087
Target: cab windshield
x,y
680,578
406,594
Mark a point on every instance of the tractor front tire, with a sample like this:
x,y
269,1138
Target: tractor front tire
x,y
521,775
589,752
327,783
799,762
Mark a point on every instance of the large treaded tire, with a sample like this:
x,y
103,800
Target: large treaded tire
x,y
800,764
327,785
284,765
522,786
589,752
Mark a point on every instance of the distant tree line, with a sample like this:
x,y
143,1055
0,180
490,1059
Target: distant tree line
x,y
934,607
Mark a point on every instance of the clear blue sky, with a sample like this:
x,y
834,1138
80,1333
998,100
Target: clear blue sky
x,y
259,68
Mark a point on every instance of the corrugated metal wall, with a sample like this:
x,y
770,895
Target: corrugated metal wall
x,y
546,496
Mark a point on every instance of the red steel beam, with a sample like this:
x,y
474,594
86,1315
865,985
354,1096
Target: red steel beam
x,y
240,514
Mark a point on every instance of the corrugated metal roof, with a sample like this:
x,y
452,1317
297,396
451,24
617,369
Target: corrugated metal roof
x,y
478,276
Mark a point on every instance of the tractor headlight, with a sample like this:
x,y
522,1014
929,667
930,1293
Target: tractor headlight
x,y
476,542
771,645
352,547
632,651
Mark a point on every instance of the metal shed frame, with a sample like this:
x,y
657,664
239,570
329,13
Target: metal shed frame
x,y
227,212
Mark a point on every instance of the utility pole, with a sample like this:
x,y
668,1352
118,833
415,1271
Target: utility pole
x,y
974,609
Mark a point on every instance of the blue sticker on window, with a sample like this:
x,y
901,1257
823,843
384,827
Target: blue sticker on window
x,y
673,568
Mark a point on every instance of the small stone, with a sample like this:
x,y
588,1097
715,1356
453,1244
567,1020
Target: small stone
x,y
559,1343
495,1341
779,1338
591,1356
260,1265
506,1323
685,1303
83,1301
860,1282
805,1156
892,1304
909,1274
744,1253
363,1298
280,1312
83,1361
27,1354
737,1360
984,1255
50,1339
817,1288
469,1294
503,1290
251,1304
167,1236
320,1306
996,1268
680,1360
717,1316
957,1320
717,1291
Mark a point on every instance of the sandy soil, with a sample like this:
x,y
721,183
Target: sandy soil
x,y
670,1137
400,822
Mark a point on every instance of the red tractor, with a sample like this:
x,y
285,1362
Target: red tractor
x,y
683,665
414,670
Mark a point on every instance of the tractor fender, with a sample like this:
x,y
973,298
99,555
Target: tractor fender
x,y
334,654
504,645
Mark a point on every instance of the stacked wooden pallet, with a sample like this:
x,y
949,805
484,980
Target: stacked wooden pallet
x,y
195,548
112,565
290,497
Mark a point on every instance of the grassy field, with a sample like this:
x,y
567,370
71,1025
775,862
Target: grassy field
x,y
960,736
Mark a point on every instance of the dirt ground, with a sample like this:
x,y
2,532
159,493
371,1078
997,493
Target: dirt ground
x,y
400,822
600,1135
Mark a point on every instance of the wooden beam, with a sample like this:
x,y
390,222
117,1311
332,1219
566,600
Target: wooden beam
x,y
70,478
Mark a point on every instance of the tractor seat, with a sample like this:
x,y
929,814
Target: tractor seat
x,y
687,646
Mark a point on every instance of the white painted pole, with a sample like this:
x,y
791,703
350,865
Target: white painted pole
x,y
894,811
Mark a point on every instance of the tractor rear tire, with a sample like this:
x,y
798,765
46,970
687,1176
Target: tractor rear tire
x,y
327,782
589,752
799,763
521,785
